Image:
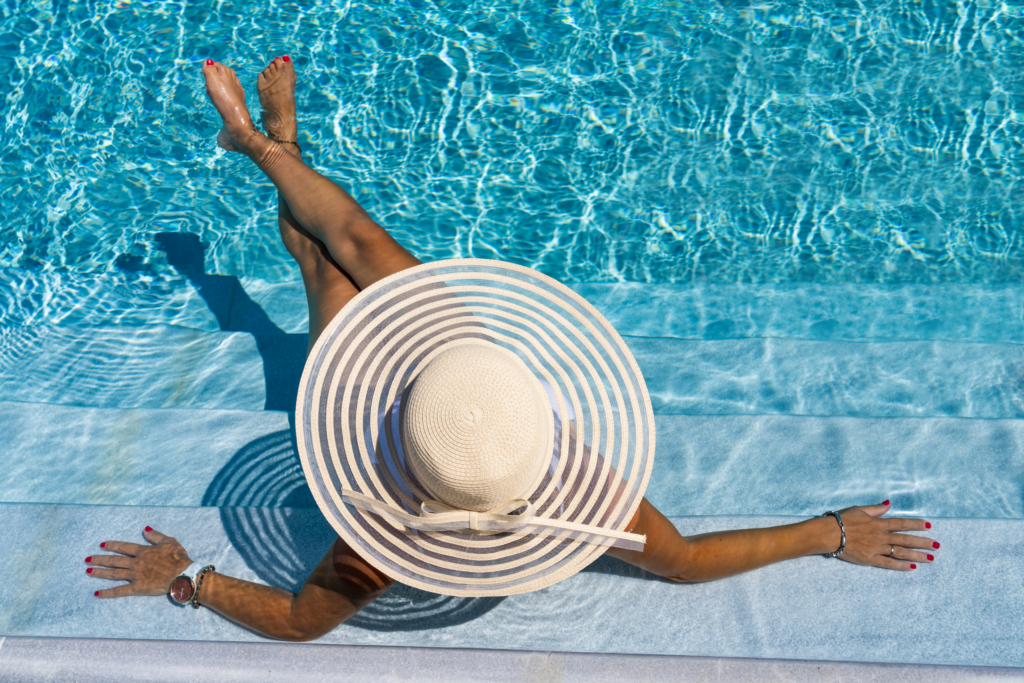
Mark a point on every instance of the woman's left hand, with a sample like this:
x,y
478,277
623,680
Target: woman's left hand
x,y
878,542
148,569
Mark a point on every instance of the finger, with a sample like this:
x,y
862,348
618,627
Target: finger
x,y
129,549
911,541
908,555
112,574
109,561
877,510
889,563
906,524
152,535
117,591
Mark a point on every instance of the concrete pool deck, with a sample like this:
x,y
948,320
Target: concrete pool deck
x,y
77,660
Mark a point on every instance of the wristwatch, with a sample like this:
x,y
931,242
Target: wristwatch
x,y
185,587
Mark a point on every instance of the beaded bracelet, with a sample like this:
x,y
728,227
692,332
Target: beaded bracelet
x,y
842,529
199,584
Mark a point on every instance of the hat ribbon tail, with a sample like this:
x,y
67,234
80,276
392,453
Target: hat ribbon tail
x,y
440,517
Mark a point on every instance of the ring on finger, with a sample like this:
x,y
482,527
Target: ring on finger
x,y
892,550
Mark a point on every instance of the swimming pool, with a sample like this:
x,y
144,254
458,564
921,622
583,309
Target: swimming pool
x,y
803,219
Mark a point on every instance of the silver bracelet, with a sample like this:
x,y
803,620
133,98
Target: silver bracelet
x,y
842,529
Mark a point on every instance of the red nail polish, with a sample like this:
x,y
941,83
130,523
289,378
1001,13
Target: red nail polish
x,y
97,594
885,503
935,545
148,529
927,525
89,570
89,559
209,62
103,545
286,58
913,566
931,558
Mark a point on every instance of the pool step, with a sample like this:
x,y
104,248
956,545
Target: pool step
x,y
174,367
852,312
963,609
705,465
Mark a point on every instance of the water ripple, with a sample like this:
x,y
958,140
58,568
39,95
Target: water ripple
x,y
625,140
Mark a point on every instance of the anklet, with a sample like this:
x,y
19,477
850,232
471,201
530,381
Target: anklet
x,y
284,142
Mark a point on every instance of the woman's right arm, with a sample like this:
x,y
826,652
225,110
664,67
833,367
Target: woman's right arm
x,y
341,585
707,557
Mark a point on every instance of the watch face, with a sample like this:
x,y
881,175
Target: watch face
x,y
181,590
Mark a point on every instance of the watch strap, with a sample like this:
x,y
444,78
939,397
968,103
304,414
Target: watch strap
x,y
191,571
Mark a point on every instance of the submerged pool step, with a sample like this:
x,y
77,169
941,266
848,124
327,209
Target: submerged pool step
x,y
832,378
834,610
855,312
174,367
705,465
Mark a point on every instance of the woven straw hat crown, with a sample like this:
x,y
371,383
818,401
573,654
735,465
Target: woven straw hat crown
x,y
477,427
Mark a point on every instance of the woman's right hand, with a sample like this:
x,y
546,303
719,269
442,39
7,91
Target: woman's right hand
x,y
148,569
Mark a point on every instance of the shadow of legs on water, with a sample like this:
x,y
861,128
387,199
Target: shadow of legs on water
x,y
283,354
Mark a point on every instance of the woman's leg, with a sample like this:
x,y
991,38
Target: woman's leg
x,y
328,286
362,249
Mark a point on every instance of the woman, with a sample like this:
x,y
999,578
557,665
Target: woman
x,y
341,251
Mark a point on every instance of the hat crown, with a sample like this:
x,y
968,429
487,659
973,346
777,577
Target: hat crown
x,y
476,427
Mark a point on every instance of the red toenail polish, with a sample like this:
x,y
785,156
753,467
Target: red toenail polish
x,y
935,545
89,559
209,62
927,525
885,503
913,566
286,58
103,545
149,528
89,570
97,594
931,558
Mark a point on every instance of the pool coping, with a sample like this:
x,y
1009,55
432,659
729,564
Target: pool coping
x,y
81,660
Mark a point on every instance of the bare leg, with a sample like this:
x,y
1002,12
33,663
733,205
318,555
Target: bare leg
x,y
328,286
362,249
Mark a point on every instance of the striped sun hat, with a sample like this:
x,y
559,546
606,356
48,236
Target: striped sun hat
x,y
475,428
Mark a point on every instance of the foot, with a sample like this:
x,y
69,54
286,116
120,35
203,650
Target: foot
x,y
276,87
227,95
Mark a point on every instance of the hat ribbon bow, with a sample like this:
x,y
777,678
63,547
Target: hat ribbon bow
x,y
437,516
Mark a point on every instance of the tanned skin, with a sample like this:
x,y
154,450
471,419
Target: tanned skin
x,y
341,250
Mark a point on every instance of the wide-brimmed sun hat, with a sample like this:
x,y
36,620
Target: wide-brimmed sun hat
x,y
475,428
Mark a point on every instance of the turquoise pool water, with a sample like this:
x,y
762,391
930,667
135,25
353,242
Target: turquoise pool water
x,y
596,141
803,219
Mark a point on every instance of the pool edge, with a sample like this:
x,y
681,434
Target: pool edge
x,y
32,659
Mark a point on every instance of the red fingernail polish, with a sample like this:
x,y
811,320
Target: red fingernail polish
x,y
89,559
286,58
103,545
885,503
913,566
149,528
927,525
209,62
89,570
935,545
931,557
97,594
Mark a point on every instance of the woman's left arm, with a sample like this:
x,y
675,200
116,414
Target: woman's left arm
x,y
869,540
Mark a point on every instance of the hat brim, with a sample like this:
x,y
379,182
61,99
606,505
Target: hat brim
x,y
373,349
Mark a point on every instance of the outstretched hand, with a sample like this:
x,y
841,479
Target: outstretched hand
x,y
876,541
148,569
